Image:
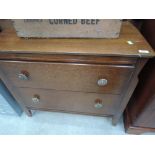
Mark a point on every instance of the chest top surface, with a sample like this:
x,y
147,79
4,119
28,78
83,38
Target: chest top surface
x,y
128,44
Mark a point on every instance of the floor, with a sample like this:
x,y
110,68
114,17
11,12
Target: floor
x,y
58,124
54,123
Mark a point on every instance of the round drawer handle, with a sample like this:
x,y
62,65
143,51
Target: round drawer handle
x,y
23,75
102,82
36,99
98,104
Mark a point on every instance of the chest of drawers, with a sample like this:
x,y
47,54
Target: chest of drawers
x,y
87,76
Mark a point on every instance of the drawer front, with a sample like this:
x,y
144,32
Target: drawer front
x,y
62,76
90,103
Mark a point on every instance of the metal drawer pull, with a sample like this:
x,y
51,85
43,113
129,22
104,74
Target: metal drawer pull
x,y
36,99
98,104
102,82
23,75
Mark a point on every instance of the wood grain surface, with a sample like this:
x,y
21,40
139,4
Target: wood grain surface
x,y
68,70
64,58
70,101
139,115
69,76
10,43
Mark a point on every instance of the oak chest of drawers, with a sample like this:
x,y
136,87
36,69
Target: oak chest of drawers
x,y
87,76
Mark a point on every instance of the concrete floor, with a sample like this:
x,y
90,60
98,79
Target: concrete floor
x,y
54,123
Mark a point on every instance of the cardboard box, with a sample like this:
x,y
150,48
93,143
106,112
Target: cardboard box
x,y
68,28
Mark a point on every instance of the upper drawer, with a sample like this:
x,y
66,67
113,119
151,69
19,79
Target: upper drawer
x,y
67,76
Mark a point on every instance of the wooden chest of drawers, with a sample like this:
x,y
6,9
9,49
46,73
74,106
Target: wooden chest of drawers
x,y
87,76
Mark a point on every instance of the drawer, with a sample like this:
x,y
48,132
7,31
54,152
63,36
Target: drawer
x,y
68,76
89,103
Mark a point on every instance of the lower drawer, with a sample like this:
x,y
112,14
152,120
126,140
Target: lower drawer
x,y
79,102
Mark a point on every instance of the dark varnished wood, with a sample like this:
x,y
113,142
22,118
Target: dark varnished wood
x,y
87,59
139,116
69,101
71,67
74,77
130,86
147,116
131,129
9,42
144,91
141,108
148,31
